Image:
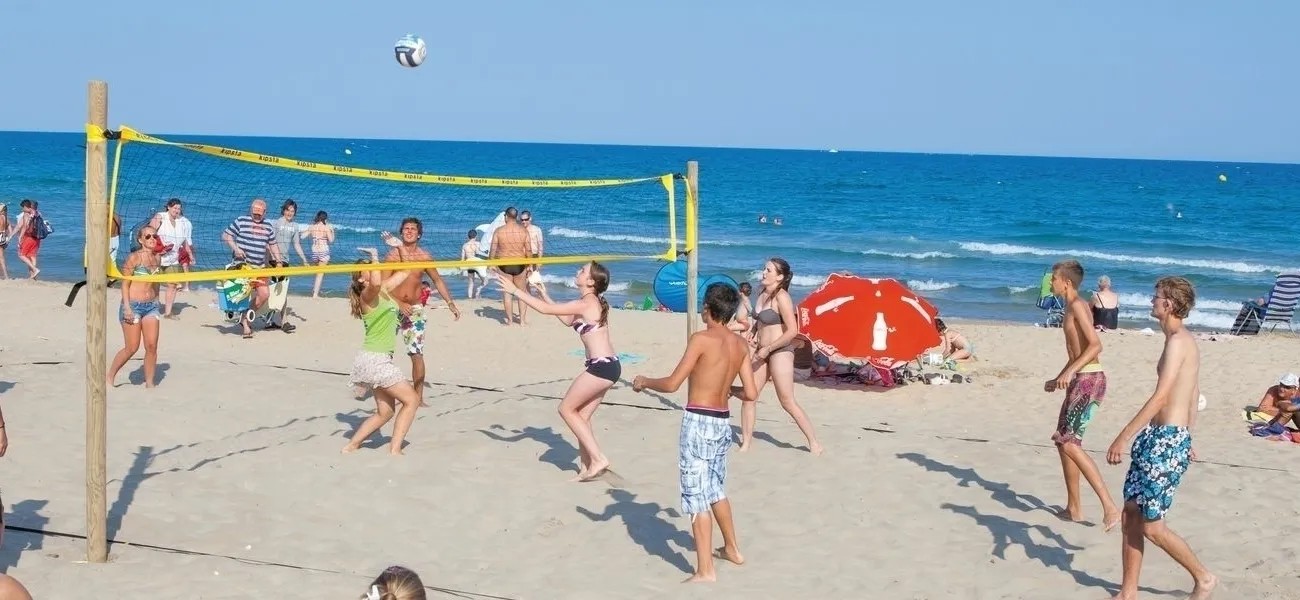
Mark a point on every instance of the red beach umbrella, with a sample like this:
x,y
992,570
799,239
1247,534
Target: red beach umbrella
x,y
867,319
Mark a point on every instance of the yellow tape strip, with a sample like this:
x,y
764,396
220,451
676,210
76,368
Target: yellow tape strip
x,y
667,181
692,219
129,134
94,134
350,267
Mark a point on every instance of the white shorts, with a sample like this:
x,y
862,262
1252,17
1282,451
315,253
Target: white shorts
x,y
375,369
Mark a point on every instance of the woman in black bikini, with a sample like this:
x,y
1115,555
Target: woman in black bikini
x,y
587,316
775,328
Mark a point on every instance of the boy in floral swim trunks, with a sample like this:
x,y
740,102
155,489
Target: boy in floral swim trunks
x,y
1162,449
1084,383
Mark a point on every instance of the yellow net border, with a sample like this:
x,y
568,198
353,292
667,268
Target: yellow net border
x,y
127,134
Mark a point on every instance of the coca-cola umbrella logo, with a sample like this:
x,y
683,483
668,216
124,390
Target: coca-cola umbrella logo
x,y
861,319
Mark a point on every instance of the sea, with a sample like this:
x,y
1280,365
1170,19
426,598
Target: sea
x,y
972,233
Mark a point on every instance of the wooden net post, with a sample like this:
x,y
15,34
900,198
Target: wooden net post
x,y
692,245
96,309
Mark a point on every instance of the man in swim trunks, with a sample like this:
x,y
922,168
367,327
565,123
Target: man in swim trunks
x,y
511,241
411,319
469,251
713,359
1085,387
1162,449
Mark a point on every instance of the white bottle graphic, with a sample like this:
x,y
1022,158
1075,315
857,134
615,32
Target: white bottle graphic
x,y
878,333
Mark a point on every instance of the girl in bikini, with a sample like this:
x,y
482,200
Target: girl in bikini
x,y
140,312
373,367
775,329
588,317
321,235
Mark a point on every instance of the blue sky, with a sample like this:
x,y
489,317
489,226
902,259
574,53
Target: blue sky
x,y
1159,79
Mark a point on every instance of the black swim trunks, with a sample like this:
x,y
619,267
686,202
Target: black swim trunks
x,y
512,270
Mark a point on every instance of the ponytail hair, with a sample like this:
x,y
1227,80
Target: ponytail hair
x,y
396,583
782,269
599,283
355,288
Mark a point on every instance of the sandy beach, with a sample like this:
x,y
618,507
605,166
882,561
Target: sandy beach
x,y
226,480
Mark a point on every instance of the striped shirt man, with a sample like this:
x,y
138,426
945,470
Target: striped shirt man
x,y
251,237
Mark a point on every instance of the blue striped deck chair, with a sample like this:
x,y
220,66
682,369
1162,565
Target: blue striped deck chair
x,y
1278,308
1049,302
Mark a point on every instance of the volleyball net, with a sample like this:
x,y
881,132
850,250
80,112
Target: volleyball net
x,y
343,201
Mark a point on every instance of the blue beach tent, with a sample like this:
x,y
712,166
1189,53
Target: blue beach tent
x,y
670,286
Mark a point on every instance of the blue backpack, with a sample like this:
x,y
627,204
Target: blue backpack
x,y
40,227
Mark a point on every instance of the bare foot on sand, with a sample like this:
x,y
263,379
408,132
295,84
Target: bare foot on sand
x,y
744,448
816,449
709,577
1111,519
1073,516
729,554
350,448
394,451
1204,588
597,468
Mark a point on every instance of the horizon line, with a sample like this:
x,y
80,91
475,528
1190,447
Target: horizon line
x,y
704,147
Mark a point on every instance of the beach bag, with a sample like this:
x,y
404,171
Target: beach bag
x,y
40,227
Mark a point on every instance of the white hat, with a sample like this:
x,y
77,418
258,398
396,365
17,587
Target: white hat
x,y
1289,380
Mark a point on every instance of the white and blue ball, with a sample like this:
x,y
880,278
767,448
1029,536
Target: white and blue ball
x,y
410,51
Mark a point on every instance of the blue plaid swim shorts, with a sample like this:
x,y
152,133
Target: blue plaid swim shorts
x,y
702,460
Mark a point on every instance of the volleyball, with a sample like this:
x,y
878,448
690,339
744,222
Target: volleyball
x,y
410,51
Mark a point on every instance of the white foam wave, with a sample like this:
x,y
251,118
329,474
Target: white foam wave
x,y
911,255
1219,265
1196,318
617,237
570,283
1021,289
1143,300
930,285
355,229
796,281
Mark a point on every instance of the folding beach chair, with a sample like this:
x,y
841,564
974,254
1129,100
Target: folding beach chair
x,y
1048,301
1278,309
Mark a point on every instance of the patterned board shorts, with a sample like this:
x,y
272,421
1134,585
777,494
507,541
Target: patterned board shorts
x,y
702,461
411,328
1085,393
1160,457
376,370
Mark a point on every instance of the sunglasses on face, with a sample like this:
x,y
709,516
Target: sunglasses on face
x,y
148,236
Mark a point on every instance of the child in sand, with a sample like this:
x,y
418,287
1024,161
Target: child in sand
x,y
713,359
373,367
1162,450
1084,383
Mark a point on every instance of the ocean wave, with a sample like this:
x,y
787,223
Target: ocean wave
x,y
803,281
570,283
1016,290
1219,265
930,285
1196,318
911,255
354,229
1134,299
618,237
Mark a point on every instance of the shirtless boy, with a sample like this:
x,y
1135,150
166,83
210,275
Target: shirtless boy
x,y
1163,449
510,241
713,359
411,319
1084,383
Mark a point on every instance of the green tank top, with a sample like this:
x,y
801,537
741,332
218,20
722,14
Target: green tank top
x,y
381,326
